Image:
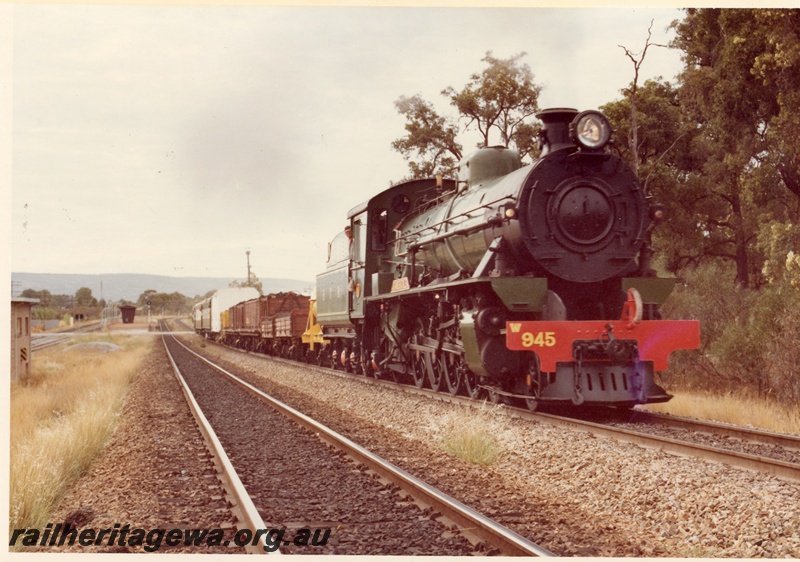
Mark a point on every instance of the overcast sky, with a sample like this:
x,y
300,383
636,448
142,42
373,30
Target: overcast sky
x,y
170,140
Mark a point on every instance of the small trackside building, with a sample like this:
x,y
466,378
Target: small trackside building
x,y
21,337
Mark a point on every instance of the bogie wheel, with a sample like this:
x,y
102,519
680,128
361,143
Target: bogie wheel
x,y
533,383
356,359
379,359
389,351
372,363
495,397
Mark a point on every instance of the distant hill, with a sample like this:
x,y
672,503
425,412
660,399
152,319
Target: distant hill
x,y
128,286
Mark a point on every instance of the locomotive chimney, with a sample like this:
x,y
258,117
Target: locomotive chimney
x,y
555,133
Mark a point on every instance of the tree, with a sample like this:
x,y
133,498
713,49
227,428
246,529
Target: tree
x,y
633,133
146,296
430,139
83,297
254,282
164,302
501,99
44,296
778,69
733,88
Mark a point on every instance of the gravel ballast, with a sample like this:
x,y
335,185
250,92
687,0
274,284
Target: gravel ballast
x,y
296,481
570,492
574,494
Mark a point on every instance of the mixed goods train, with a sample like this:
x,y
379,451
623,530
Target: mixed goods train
x,y
532,282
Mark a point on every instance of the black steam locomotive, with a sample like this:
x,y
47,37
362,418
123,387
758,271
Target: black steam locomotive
x,y
531,282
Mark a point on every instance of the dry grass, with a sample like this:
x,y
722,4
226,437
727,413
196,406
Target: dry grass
x,y
469,434
61,418
737,410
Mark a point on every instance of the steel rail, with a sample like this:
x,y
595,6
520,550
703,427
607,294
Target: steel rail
x,y
494,534
778,468
43,342
781,469
775,467
245,509
787,441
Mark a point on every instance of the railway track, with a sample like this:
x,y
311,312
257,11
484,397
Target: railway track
x,y
761,451
43,341
402,518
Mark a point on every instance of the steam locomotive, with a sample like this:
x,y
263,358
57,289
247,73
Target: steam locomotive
x,y
530,283
526,283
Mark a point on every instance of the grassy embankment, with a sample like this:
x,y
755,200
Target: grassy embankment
x,y
737,410
62,417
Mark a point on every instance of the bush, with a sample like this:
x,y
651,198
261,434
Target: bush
x,y
750,339
471,434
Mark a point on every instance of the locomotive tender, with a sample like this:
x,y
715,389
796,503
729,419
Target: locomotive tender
x,y
532,282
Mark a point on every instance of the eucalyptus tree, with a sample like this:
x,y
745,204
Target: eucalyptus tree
x,y
498,103
740,87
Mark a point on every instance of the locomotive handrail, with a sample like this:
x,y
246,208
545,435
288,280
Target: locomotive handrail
x,y
413,247
450,220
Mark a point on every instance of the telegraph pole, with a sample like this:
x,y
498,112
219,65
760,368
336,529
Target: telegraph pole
x,y
248,268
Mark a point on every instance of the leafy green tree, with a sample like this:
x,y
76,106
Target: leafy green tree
x,y
501,98
165,303
430,143
44,296
146,296
83,297
500,101
739,185
44,310
732,89
254,282
777,69
780,244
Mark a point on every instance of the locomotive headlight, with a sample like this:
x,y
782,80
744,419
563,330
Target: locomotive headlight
x,y
591,130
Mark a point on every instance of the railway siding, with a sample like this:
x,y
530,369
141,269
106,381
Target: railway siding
x,y
566,490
